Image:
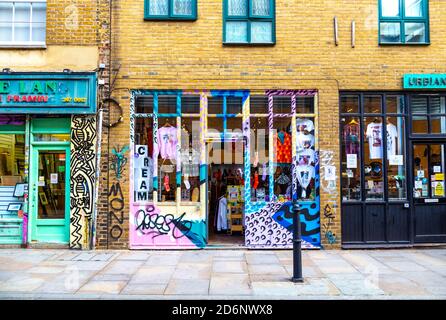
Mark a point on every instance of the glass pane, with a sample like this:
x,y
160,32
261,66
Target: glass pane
x,y
259,159
39,12
304,105
437,105
215,126
396,164
305,125
350,104
234,126
282,105
261,8
168,141
437,168
390,8
390,32
144,104
415,32
233,105
22,12
261,32
22,32
395,104
190,159
215,105
237,8
12,159
159,7
51,184
190,104
372,104
438,124
143,163
419,124
167,104
236,31
418,105
5,31
413,8
39,32
421,173
52,137
259,104
182,7
351,158
282,162
373,158
6,12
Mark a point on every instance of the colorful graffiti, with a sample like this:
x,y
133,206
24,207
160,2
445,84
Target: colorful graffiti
x,y
82,179
329,216
119,160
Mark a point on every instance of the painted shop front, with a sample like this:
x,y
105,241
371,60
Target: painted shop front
x,y
221,167
47,158
394,196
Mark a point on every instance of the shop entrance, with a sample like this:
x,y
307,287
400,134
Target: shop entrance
x,y
429,191
50,193
225,193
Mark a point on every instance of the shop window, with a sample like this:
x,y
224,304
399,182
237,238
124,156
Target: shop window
x,y
428,115
144,104
429,168
143,163
12,159
23,23
190,104
215,105
304,105
395,104
259,159
372,104
248,22
170,9
282,159
233,105
190,159
306,158
350,157
259,105
52,137
350,104
396,159
373,158
403,22
167,104
167,155
282,105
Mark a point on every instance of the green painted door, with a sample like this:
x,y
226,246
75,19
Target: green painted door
x,y
50,193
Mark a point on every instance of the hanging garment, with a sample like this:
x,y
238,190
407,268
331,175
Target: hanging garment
x,y
304,125
167,140
305,157
374,134
264,169
304,141
351,133
284,148
190,162
283,179
222,222
304,175
195,194
392,134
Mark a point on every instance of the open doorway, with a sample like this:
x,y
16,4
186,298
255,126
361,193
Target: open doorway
x,y
226,194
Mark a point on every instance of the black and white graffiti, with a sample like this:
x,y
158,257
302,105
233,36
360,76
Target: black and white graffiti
x,y
82,178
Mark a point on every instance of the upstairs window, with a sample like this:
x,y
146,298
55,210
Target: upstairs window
x,y
170,10
248,22
403,22
23,23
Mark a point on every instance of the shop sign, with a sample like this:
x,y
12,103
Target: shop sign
x,y
62,93
424,81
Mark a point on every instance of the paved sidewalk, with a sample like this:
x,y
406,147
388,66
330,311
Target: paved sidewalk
x,y
221,274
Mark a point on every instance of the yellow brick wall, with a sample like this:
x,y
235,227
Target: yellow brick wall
x,y
190,55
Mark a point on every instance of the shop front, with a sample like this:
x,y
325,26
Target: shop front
x,y
394,195
48,158
222,167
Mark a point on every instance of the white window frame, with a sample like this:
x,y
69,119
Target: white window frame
x,y
24,44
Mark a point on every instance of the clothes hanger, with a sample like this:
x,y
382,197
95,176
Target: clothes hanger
x,y
353,122
167,124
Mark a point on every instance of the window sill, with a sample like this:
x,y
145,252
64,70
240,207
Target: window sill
x,y
176,19
404,44
249,44
22,46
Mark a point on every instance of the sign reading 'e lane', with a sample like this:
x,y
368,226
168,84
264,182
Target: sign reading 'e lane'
x,y
424,81
48,93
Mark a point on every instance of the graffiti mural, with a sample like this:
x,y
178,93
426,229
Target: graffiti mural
x,y
82,179
329,216
119,160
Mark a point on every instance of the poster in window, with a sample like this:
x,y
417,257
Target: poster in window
x,y
352,161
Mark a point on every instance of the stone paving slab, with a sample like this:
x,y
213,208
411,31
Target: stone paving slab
x,y
221,274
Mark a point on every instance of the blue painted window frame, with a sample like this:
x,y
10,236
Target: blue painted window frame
x,y
171,15
402,20
249,18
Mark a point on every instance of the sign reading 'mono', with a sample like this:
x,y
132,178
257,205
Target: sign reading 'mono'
x,y
68,93
425,81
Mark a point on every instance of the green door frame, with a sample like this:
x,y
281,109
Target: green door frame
x,y
33,196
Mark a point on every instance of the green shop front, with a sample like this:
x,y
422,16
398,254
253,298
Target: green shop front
x,y
48,159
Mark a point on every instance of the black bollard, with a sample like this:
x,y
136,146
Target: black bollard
x,y
297,244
